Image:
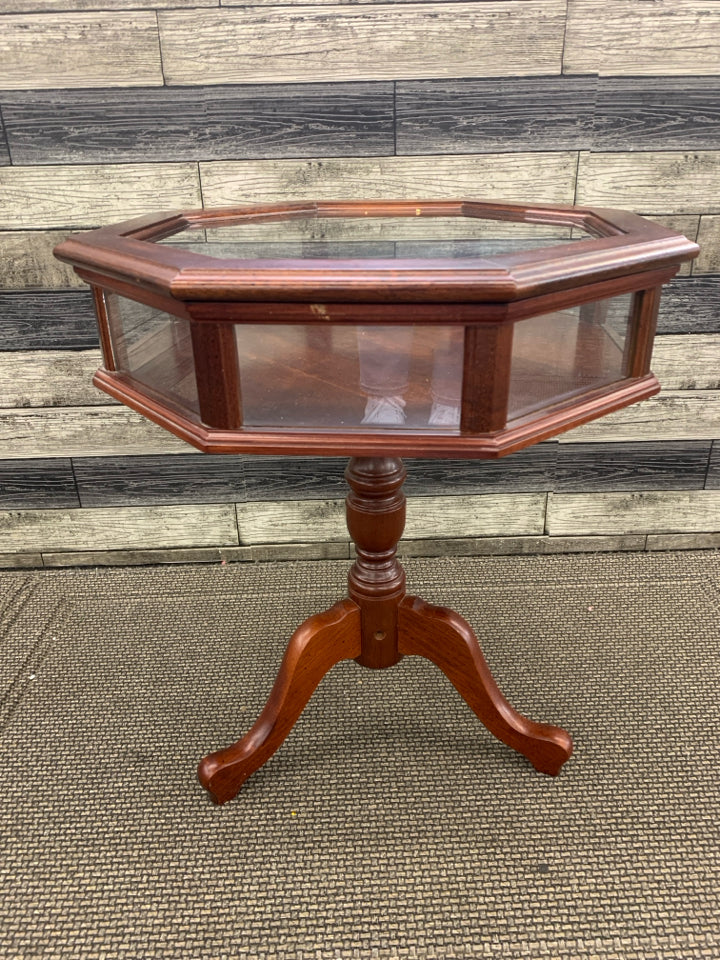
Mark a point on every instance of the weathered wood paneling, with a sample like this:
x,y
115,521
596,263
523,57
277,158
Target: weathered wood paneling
x,y
27,261
47,484
185,478
663,182
657,113
504,115
540,176
117,529
88,196
49,378
709,240
99,49
4,151
59,6
81,431
380,41
464,516
690,306
684,415
690,362
49,320
664,37
200,123
713,476
582,467
643,512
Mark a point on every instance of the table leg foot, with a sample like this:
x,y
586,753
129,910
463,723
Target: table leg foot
x,y
314,648
442,636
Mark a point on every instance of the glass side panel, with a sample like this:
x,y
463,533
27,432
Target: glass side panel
x,y
373,237
154,348
351,377
560,355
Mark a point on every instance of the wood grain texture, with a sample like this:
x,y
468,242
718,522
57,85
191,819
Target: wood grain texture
x,y
4,150
709,240
713,475
690,362
38,483
627,513
382,41
81,431
27,261
681,415
665,37
483,515
80,50
199,123
662,182
117,529
92,195
60,6
146,480
506,115
658,113
262,553
537,177
690,306
47,320
686,224
58,378
667,465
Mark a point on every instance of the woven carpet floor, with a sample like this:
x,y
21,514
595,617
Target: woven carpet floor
x,y
390,824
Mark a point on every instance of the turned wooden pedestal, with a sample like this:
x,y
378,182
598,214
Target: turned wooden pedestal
x,y
377,625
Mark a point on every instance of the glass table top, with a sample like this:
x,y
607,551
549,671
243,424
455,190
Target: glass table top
x,y
350,238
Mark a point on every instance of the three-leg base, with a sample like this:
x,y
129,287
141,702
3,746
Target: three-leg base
x,y
436,633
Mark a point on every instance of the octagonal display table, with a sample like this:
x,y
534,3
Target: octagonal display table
x,y
377,330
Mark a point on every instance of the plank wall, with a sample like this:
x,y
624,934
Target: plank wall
x,y
109,109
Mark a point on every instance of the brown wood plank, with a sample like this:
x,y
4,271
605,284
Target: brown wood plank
x,y
380,41
99,49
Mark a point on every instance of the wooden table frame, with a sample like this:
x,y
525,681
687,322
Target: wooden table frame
x,y
378,623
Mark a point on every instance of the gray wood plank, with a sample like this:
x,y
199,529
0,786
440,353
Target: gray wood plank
x,y
687,362
47,320
145,480
668,181
303,521
200,123
713,475
673,415
690,305
585,467
548,177
58,378
80,50
709,240
382,41
28,262
60,6
4,150
664,37
638,512
504,115
657,113
47,484
89,195
118,529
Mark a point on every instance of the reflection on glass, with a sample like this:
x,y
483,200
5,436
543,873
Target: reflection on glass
x,y
372,237
560,355
405,378
153,348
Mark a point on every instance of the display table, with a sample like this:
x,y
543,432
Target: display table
x,y
377,330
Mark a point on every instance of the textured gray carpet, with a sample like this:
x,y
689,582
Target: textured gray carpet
x,y
390,824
